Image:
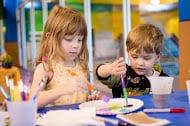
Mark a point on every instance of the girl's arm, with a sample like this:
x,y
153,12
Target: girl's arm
x,y
44,97
48,96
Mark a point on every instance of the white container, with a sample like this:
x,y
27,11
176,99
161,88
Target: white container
x,y
161,89
188,90
22,113
3,115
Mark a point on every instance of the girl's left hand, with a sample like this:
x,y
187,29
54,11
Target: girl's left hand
x,y
94,95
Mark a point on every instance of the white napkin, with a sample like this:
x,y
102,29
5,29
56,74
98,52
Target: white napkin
x,y
69,117
142,119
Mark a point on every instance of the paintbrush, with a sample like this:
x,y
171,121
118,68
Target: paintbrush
x,y
41,86
124,87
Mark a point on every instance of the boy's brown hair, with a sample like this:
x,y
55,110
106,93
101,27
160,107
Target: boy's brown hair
x,y
145,37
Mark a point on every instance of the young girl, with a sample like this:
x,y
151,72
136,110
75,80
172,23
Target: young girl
x,y
64,52
144,44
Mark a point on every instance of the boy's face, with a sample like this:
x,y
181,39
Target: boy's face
x,y
71,46
142,62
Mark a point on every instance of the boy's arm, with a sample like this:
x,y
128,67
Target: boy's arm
x,y
117,68
109,74
109,80
103,71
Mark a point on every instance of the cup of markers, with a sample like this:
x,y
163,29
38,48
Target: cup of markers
x,y
21,110
22,113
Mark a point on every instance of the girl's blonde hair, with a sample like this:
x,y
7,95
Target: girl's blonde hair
x,y
63,21
145,37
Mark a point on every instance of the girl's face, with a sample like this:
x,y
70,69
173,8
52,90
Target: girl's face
x,y
143,62
71,45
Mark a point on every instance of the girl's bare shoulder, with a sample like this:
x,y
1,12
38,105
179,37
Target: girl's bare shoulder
x,y
42,68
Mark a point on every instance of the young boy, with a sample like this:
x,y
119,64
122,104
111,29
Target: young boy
x,y
144,44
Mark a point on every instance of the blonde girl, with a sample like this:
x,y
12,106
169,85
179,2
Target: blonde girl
x,y
62,59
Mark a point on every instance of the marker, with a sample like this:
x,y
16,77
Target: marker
x,y
11,87
8,85
124,89
41,85
4,93
26,92
21,89
170,110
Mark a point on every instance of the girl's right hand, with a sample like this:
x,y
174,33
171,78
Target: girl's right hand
x,y
73,87
118,67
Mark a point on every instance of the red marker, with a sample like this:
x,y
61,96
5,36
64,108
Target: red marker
x,y
171,110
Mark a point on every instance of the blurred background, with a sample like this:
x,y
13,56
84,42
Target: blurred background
x,y
108,22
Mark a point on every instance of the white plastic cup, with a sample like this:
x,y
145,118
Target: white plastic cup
x,y
22,113
188,90
2,118
161,89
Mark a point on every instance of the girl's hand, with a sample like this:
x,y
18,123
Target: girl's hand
x,y
94,95
118,67
72,87
3,106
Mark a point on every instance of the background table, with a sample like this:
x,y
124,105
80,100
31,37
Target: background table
x,y
177,99
7,72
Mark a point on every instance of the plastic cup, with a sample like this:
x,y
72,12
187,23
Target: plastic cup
x,y
22,113
161,89
2,118
188,90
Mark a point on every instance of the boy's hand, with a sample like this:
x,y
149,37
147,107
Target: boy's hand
x,y
118,67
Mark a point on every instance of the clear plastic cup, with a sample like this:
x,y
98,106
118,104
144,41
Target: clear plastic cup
x,y
22,113
188,90
2,118
161,89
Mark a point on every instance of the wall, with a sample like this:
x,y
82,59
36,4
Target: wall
x,y
11,30
10,21
12,49
184,48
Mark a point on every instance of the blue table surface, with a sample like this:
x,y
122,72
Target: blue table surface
x,y
178,99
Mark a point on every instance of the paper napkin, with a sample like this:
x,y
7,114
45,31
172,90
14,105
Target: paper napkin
x,y
142,119
69,118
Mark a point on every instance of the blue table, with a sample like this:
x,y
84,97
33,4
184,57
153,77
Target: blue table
x,y
178,99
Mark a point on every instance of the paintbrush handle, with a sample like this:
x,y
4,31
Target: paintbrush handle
x,y
122,81
41,85
125,94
